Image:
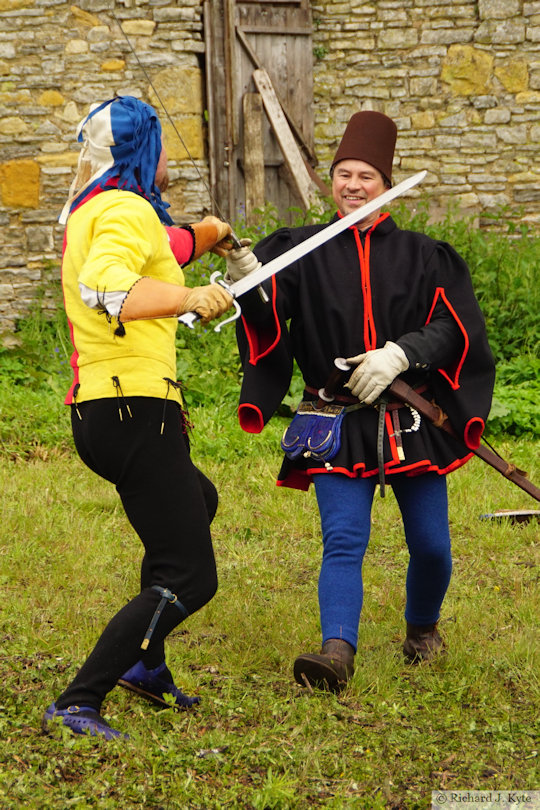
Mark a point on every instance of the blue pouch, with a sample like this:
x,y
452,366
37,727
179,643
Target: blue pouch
x,y
314,432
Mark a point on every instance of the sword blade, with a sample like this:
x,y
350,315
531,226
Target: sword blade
x,y
266,271
311,243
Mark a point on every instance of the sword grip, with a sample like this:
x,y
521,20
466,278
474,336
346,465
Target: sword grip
x,y
189,319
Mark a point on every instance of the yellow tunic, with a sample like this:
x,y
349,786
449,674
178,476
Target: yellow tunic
x,y
112,240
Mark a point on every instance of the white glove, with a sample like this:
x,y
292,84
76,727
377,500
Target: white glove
x,y
241,261
375,370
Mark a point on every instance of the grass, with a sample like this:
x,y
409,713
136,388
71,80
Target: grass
x,y
69,559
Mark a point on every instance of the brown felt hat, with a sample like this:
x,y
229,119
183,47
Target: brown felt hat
x,y
369,136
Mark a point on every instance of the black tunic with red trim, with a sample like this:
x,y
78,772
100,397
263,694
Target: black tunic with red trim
x,y
351,295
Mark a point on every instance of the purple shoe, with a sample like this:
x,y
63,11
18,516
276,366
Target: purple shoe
x,y
153,684
81,720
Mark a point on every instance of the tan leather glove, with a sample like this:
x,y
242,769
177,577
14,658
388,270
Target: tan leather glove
x,y
209,233
375,370
209,301
241,261
150,298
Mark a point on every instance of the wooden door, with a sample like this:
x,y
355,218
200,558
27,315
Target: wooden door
x,y
243,36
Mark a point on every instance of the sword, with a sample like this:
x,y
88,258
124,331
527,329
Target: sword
x,y
254,279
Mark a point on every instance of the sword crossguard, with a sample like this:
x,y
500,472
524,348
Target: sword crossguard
x,y
189,319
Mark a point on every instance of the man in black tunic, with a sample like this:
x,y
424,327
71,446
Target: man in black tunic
x,y
392,303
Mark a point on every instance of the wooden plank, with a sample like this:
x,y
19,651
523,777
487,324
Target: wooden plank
x,y
253,153
231,68
285,138
292,123
214,67
265,29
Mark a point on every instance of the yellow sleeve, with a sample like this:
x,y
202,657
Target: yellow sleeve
x,y
123,241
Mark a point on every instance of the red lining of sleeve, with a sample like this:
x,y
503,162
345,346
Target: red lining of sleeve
x,y
453,374
473,432
250,418
261,343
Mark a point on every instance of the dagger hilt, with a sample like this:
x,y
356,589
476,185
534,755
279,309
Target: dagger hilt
x,y
335,380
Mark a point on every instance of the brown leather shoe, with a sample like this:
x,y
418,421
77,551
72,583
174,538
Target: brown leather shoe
x,y
422,643
330,669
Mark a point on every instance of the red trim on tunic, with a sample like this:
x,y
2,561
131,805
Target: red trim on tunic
x,y
74,359
301,479
370,331
262,343
452,375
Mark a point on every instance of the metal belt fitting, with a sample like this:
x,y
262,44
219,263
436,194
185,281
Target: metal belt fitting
x,y
166,596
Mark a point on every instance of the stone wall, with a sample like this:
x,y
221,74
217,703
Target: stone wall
x,y
461,79
55,59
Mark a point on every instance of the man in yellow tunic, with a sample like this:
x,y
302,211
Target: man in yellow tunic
x,y
124,290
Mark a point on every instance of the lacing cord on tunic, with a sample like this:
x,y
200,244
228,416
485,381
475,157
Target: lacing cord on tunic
x,y
75,393
120,398
187,425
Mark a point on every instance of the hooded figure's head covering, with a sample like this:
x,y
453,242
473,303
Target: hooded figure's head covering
x,y
121,139
369,136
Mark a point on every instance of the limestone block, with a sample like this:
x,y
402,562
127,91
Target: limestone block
x,y
397,38
500,32
113,65
13,5
75,46
84,17
467,70
423,86
11,95
7,50
498,9
19,183
51,160
39,238
493,200
529,97
458,120
180,89
533,33
136,28
525,178
423,120
515,134
51,98
71,113
190,128
513,75
446,36
12,125
478,140
417,164
99,33
497,116
469,200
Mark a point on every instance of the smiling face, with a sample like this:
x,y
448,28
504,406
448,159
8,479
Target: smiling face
x,y
354,183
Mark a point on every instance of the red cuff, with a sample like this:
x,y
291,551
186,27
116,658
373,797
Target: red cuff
x,y
250,418
473,432
182,243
